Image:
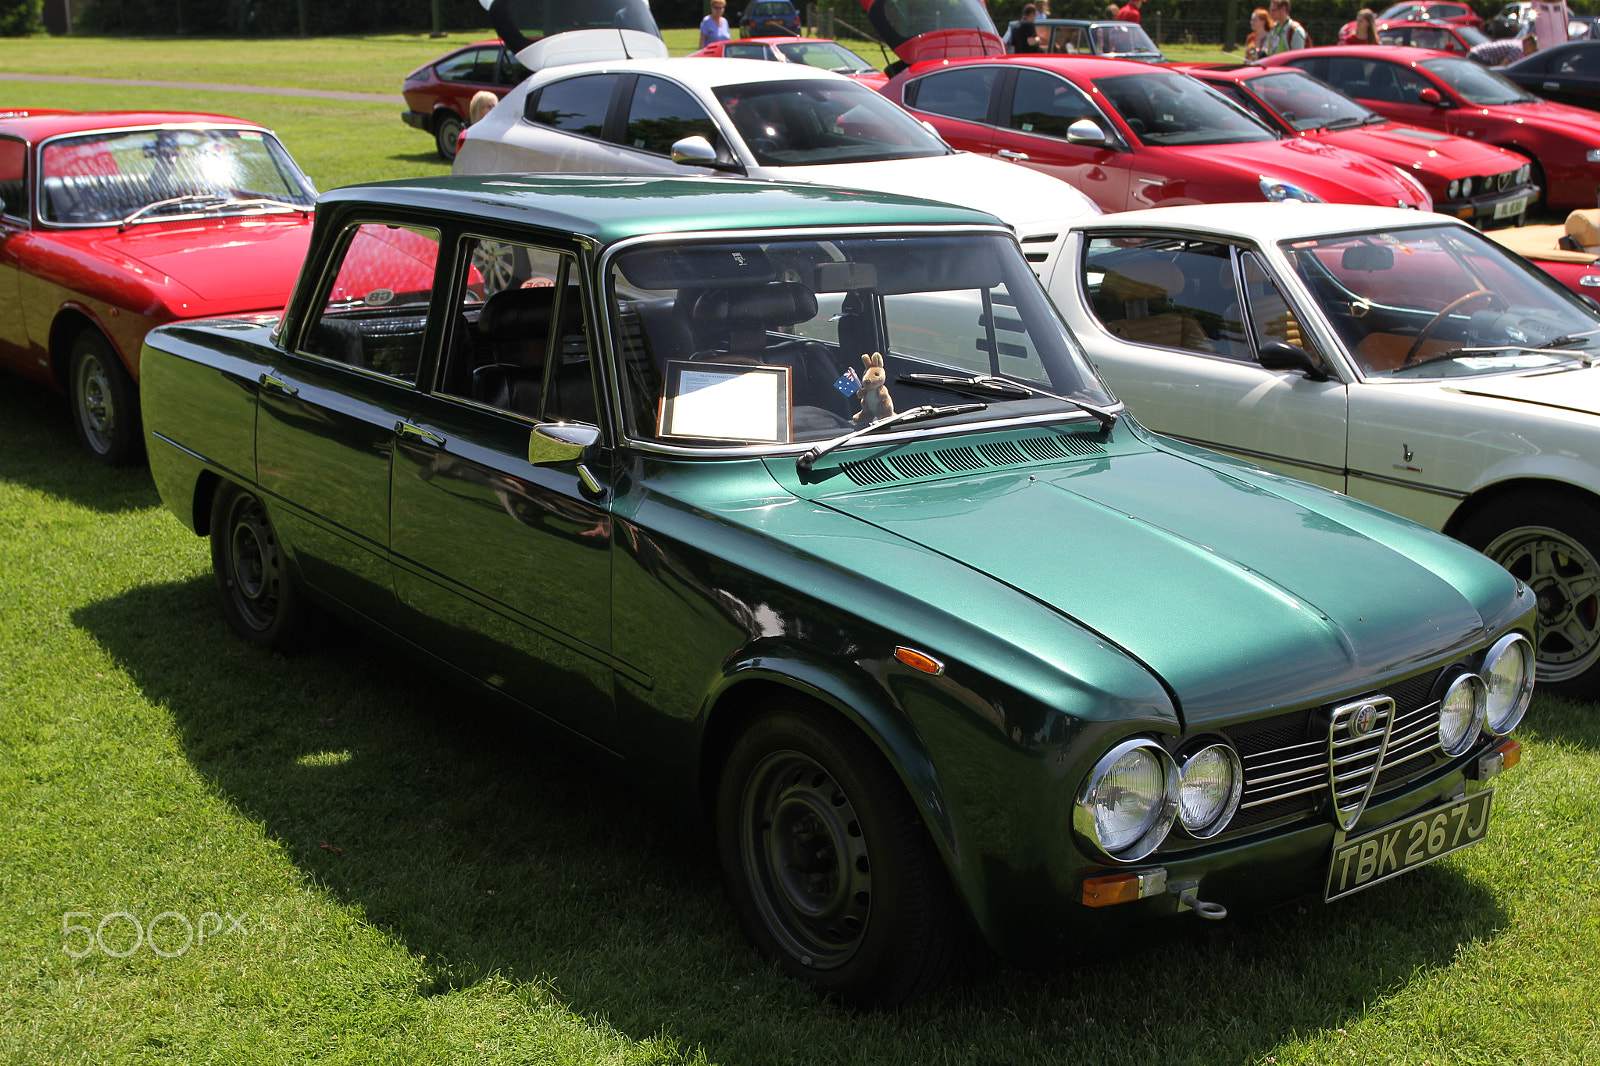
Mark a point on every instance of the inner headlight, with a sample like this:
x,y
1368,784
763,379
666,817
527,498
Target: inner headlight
x,y
1525,174
1455,189
1129,801
1466,186
1461,713
1273,189
1211,781
1508,674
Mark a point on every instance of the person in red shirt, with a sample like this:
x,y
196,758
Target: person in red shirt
x,y
1130,11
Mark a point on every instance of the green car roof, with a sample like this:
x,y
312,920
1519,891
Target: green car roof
x,y
612,208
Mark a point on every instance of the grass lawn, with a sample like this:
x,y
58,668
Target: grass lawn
x,y
214,854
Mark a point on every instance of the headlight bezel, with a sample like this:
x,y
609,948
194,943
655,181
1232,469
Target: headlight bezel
x,y
1476,691
1518,707
1224,814
1087,824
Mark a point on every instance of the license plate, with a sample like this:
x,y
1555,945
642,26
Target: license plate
x,y
1511,207
1363,861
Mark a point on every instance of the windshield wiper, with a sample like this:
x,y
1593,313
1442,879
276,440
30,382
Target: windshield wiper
x,y
915,414
1497,349
191,200
1345,123
988,385
264,201
1567,338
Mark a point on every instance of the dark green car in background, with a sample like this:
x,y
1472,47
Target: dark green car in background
x,y
804,507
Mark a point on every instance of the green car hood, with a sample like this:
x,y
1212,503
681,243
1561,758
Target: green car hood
x,y
1239,596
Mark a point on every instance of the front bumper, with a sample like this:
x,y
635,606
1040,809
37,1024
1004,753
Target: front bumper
x,y
1505,207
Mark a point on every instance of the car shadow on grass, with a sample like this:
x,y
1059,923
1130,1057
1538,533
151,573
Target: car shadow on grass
x,y
43,452
487,850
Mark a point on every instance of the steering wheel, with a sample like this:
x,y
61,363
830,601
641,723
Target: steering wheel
x,y
1453,306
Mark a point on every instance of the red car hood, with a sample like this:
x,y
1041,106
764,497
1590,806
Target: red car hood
x,y
213,267
1419,150
1328,171
1547,114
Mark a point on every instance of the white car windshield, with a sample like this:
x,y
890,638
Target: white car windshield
x,y
811,123
827,55
1441,301
791,340
157,174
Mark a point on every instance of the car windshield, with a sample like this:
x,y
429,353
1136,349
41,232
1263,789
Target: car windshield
x,y
752,342
828,55
1442,301
1476,84
1166,108
810,123
1122,39
163,173
1306,103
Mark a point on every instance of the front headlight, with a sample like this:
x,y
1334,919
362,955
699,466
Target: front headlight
x,y
1593,155
1466,186
1275,190
1525,174
1461,713
1129,801
1211,781
1455,189
1508,675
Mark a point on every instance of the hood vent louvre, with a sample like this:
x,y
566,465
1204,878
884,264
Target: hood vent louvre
x,y
967,459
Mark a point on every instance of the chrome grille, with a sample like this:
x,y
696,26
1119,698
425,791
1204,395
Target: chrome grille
x,y
1303,761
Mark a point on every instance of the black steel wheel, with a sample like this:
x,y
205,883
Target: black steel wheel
x,y
258,594
105,401
1552,542
829,867
447,127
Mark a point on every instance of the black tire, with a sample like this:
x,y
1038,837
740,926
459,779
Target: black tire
x,y
447,127
829,867
105,401
1551,540
254,583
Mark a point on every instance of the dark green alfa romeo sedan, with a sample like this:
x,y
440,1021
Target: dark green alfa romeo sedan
x,y
804,507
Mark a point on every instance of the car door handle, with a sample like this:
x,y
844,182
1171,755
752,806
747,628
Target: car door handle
x,y
1006,153
267,381
417,433
1552,85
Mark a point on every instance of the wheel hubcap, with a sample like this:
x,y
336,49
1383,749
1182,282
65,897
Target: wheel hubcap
x,y
253,564
806,859
97,412
1566,580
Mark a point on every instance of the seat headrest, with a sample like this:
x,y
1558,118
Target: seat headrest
x,y
517,312
1144,278
1583,226
777,303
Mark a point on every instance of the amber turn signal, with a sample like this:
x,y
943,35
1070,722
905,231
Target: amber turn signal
x,y
919,661
1125,887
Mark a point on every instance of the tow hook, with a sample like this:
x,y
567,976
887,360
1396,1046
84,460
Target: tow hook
x,y
1187,900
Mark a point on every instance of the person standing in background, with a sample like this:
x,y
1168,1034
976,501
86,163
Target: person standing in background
x,y
1021,37
1366,28
1256,43
1286,34
714,27
1130,11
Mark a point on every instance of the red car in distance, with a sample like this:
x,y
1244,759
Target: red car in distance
x,y
114,222
1441,36
808,51
1132,135
1439,12
1477,182
437,94
1453,94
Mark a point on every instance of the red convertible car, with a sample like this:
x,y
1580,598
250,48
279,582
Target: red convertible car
x,y
112,223
1449,93
1132,135
1480,183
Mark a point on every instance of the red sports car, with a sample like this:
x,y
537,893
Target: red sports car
x,y
1455,14
1478,182
810,51
115,222
1453,94
1133,135
437,95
